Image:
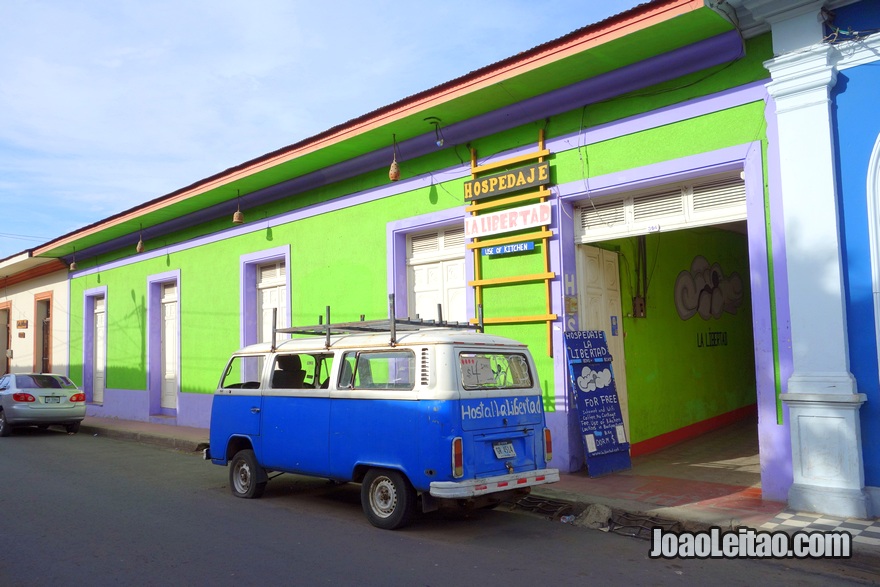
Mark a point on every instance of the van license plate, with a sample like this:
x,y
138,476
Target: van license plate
x,y
503,450
52,399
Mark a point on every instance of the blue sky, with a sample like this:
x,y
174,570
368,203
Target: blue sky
x,y
107,104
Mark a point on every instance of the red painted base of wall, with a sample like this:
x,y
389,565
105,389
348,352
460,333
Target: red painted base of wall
x,y
692,431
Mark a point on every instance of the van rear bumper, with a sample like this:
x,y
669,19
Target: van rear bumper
x,y
474,487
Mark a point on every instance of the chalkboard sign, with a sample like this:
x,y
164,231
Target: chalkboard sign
x,y
591,378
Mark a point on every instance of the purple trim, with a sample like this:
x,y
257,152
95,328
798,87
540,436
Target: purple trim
x,y
775,462
194,409
155,319
775,440
126,404
658,174
775,459
396,258
689,59
731,98
669,115
248,288
568,454
89,297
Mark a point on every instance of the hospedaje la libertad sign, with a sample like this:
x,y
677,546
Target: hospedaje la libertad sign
x,y
509,181
508,220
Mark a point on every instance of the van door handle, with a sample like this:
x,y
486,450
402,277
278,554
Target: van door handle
x,y
255,410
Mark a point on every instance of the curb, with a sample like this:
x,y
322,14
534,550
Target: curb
x,y
865,558
180,444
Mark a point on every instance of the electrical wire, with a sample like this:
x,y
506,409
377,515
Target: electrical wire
x,y
22,236
839,35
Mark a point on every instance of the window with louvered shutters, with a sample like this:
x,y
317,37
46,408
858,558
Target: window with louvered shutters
x,y
436,274
702,202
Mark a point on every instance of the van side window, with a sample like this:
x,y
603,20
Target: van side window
x,y
289,372
323,365
379,370
346,373
242,373
302,371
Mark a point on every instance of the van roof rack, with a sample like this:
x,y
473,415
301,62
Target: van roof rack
x,y
391,325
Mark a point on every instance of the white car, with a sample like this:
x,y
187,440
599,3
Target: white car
x,y
40,399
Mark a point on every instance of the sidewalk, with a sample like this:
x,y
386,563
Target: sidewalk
x,y
698,485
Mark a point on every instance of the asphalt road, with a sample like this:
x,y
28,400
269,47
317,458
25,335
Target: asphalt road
x,y
94,511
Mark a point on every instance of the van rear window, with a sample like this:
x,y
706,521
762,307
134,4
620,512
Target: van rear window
x,y
494,371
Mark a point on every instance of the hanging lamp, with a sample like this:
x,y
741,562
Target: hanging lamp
x,y
238,217
394,170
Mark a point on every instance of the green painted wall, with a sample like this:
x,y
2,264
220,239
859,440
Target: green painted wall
x,y
674,378
339,258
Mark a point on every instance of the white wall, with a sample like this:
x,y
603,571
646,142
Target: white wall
x,y
22,297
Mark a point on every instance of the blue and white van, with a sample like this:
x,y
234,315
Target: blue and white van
x,y
416,414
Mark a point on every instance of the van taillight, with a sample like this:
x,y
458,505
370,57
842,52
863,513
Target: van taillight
x,y
457,458
548,445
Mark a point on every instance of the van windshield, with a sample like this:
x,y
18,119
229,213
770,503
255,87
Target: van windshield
x,y
494,371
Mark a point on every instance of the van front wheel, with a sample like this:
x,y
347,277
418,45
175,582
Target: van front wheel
x,y
388,499
245,475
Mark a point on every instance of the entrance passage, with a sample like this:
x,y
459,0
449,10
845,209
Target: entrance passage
x,y
727,456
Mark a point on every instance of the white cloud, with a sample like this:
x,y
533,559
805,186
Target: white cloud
x,y
110,104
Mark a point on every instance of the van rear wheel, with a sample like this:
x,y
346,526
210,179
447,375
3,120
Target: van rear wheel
x,y
245,475
388,499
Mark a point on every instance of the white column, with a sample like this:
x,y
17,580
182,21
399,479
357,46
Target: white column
x,y
822,396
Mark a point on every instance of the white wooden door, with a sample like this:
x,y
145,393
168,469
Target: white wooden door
x,y
5,341
271,295
436,275
600,309
170,367
99,352
442,283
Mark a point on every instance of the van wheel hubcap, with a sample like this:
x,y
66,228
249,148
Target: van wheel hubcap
x,y
383,496
242,478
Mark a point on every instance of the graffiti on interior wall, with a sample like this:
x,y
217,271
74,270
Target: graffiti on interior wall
x,y
704,290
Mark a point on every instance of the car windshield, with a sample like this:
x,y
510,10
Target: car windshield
x,y
42,381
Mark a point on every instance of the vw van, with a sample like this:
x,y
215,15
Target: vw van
x,y
420,414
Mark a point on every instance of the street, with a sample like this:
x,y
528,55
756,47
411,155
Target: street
x,y
96,511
